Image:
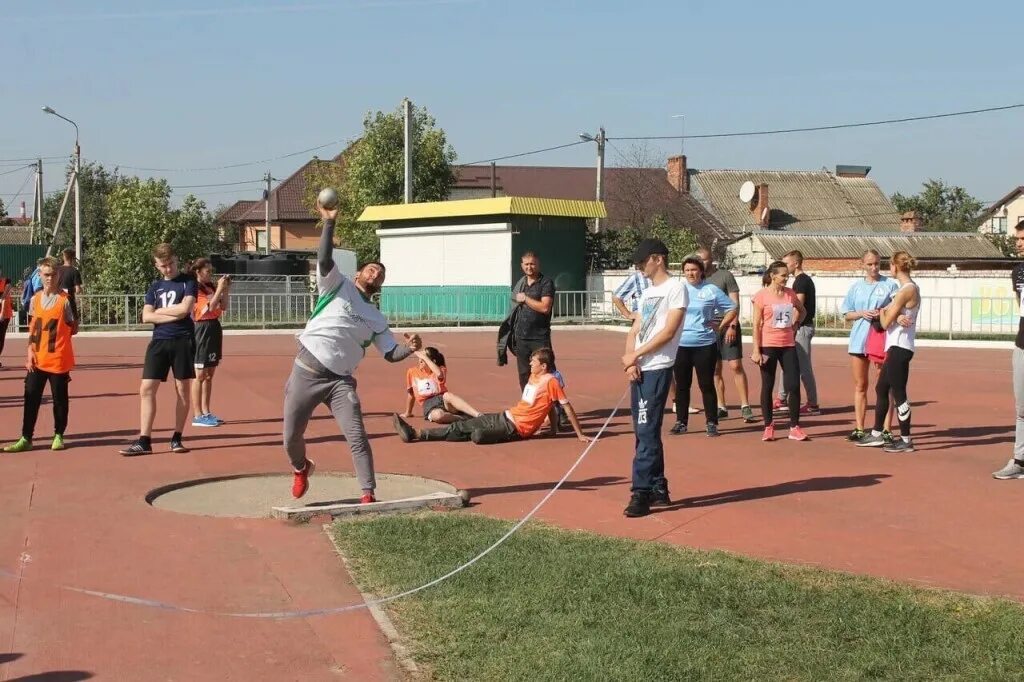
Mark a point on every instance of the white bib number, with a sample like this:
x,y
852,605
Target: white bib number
x,y
167,298
427,387
782,315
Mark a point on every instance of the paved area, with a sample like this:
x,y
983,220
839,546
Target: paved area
x,y
80,517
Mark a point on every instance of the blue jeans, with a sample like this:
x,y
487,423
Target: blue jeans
x,y
647,399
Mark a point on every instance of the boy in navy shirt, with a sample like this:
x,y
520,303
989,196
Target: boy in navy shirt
x,y
168,308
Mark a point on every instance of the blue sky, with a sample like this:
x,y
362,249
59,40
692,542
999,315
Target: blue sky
x,y
193,84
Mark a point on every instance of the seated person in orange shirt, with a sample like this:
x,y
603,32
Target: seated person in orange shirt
x,y
540,396
425,384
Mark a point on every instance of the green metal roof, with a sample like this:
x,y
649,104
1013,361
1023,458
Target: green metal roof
x,y
534,206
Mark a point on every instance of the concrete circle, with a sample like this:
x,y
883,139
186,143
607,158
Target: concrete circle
x,y
253,495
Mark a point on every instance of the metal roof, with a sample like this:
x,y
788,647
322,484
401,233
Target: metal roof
x,y
799,200
484,207
921,245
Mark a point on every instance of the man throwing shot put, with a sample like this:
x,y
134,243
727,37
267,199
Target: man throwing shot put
x,y
343,323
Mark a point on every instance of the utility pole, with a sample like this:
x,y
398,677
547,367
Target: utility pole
x,y
78,198
407,111
37,206
266,212
600,172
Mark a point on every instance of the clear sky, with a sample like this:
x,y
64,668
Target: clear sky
x,y
191,83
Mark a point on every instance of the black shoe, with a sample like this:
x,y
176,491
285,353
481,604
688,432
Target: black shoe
x,y
855,435
404,431
178,446
639,504
677,428
660,497
136,449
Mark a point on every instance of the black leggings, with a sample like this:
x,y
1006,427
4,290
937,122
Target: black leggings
x,y
790,382
35,383
893,379
703,359
3,333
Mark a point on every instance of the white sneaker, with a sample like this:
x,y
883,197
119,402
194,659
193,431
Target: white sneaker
x,y
1010,471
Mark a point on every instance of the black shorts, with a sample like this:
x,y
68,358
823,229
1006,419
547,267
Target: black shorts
x,y
209,344
730,351
164,355
432,403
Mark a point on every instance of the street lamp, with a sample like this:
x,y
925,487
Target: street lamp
x,y
600,140
78,196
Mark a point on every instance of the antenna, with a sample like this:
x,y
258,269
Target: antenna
x,y
747,192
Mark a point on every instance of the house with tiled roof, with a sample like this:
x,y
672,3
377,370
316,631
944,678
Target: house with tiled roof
x,y
832,218
1003,215
292,225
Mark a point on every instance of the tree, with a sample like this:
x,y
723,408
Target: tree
x,y
942,207
373,173
3,210
613,249
140,217
1006,243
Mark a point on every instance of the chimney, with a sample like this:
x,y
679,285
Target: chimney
x,y
677,175
910,222
760,210
23,210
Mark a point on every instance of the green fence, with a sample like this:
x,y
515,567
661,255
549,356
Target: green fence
x,y
14,258
455,304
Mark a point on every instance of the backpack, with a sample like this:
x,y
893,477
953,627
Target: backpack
x,y
29,287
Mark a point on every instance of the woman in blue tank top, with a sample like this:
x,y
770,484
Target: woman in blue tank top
x,y
698,344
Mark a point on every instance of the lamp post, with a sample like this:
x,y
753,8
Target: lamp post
x,y
78,196
600,139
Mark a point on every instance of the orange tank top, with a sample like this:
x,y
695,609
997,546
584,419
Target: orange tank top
x,y
204,292
50,335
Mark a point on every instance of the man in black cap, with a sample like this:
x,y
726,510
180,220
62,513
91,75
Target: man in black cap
x,y
651,347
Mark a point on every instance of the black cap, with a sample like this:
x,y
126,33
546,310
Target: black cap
x,y
647,248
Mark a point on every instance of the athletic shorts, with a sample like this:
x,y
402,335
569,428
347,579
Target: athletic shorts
x,y
209,344
164,355
730,351
432,403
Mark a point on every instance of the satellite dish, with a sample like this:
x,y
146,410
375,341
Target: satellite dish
x,y
747,191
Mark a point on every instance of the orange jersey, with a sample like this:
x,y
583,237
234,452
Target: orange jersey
x,y
538,396
204,292
50,334
8,306
424,384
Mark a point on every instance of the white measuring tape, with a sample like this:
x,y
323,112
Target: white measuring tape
x,y
305,613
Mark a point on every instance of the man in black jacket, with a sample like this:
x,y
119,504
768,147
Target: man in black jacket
x,y
532,328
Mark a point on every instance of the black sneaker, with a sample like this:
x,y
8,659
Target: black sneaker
x,y
677,428
404,431
660,497
899,445
712,430
178,446
855,435
639,504
136,449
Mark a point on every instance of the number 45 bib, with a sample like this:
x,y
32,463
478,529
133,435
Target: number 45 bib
x,y
782,315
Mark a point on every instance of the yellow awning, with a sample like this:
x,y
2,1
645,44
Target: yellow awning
x,y
564,208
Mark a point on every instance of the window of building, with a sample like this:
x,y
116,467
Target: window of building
x,y
999,225
261,239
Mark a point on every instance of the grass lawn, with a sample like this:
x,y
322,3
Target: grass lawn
x,y
559,605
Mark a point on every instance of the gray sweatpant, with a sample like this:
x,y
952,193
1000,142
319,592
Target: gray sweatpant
x,y
804,336
312,385
1018,399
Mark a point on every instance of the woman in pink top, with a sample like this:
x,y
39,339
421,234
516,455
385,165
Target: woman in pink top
x,y
777,314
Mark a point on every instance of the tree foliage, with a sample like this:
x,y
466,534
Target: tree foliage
x,y
613,249
373,173
140,217
3,210
942,207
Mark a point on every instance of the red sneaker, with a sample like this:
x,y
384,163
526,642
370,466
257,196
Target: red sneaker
x,y
769,432
796,433
300,483
810,410
778,405
367,498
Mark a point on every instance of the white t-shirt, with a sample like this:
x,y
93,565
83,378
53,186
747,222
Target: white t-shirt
x,y
339,335
655,303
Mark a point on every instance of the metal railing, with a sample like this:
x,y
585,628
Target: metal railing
x,y
950,316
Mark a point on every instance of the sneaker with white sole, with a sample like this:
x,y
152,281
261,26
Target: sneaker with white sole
x,y
204,420
868,440
1012,470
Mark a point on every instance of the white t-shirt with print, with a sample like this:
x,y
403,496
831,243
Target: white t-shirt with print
x,y
655,303
339,335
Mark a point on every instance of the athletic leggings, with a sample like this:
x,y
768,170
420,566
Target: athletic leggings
x,y
703,359
35,384
893,379
787,357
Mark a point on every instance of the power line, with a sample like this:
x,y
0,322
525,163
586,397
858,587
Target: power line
x,y
230,165
823,127
20,168
218,184
33,159
529,153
